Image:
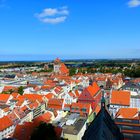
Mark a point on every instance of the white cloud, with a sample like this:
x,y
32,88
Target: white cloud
x,y
54,20
134,3
53,15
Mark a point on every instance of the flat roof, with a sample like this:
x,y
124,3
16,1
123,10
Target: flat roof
x,y
76,127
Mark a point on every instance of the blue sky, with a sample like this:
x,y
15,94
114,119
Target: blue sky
x,y
45,29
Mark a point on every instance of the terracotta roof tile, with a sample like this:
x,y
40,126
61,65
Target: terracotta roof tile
x,y
46,117
4,97
120,97
128,113
93,89
7,88
5,122
49,96
55,103
14,94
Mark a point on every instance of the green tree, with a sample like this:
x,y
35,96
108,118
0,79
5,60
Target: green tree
x,y
72,71
44,132
21,90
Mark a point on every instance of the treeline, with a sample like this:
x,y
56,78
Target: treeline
x,y
130,72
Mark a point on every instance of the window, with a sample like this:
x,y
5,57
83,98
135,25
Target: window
x,y
84,109
73,109
77,108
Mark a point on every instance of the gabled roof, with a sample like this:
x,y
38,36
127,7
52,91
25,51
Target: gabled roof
x,y
97,109
55,103
14,94
64,69
33,97
7,88
5,122
46,117
33,105
20,101
120,97
58,89
7,109
72,94
48,87
4,97
93,89
19,113
13,117
103,128
49,96
24,108
77,93
23,132
128,113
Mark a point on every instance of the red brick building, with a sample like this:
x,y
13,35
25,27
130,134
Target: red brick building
x,y
92,94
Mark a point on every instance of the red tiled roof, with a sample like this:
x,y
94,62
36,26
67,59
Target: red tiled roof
x,y
49,96
33,105
64,69
33,97
4,97
36,88
24,108
7,88
120,97
48,87
128,113
97,109
6,109
55,103
5,122
23,132
14,94
20,113
48,82
35,74
57,90
67,106
20,101
12,116
77,93
71,94
93,89
46,117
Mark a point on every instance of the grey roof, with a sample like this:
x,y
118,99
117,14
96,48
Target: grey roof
x,y
10,76
76,127
131,85
3,106
103,128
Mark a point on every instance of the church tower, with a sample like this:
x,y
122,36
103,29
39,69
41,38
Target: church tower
x,y
57,65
